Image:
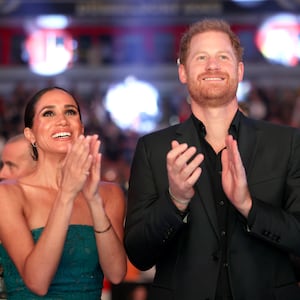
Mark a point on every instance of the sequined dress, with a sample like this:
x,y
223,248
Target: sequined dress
x,y
79,276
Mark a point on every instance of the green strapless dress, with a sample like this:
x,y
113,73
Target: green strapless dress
x,y
78,277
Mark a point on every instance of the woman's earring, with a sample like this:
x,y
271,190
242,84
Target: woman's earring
x,y
34,145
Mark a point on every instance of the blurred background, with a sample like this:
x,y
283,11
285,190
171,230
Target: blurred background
x,y
118,57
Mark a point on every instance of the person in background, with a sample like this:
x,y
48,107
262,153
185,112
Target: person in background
x,y
16,161
61,227
16,158
214,202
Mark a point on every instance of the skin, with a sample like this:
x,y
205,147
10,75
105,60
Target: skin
x,y
211,73
16,158
64,189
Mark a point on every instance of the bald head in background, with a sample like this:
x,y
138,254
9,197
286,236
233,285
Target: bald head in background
x,y
16,158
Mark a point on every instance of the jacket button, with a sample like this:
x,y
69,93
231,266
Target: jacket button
x,y
215,257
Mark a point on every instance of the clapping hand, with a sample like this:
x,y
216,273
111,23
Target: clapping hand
x,y
234,178
76,165
90,188
183,166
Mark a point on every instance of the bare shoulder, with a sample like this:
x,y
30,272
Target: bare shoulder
x,y
11,197
107,188
112,193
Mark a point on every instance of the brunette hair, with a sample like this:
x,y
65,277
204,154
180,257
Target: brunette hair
x,y
30,110
204,26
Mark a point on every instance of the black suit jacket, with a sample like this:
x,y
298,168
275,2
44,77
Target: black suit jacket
x,y
186,254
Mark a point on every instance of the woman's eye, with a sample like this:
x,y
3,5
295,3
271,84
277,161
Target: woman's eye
x,y
48,113
71,112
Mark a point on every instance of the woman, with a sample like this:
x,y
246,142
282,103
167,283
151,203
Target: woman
x,y
61,227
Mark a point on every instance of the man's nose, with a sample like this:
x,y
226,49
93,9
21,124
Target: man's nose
x,y
3,174
6,173
212,63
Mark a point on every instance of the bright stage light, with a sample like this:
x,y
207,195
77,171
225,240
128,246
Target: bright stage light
x,y
49,52
52,21
133,105
278,39
248,3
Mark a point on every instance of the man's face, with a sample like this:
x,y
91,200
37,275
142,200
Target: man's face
x,y
211,72
16,160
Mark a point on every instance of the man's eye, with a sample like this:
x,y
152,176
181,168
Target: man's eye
x,y
224,57
201,57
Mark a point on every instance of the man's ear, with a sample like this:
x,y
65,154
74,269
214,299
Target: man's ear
x,y
182,73
29,135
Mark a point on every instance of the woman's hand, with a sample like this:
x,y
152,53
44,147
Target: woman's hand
x,y
91,186
76,165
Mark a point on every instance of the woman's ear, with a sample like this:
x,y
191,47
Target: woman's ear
x,y
29,135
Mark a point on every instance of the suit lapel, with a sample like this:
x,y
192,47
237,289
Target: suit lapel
x,y
247,142
187,133
248,136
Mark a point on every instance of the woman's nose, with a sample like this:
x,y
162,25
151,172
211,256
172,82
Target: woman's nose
x,y
62,120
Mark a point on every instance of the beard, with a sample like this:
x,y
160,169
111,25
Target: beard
x,y
211,94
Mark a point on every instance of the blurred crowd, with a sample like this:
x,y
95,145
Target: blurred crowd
x,y
277,104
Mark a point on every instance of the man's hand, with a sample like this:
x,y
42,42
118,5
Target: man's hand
x,y
183,166
234,178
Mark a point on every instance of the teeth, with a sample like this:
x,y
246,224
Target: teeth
x,y
216,78
61,134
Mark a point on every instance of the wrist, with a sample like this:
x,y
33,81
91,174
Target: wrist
x,y
184,202
107,228
94,200
245,209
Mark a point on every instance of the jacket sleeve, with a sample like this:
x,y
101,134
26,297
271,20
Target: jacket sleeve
x,y
152,221
277,219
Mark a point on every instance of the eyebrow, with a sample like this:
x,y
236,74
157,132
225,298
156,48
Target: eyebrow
x,y
53,106
8,163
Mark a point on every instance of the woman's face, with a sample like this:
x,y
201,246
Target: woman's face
x,y
56,122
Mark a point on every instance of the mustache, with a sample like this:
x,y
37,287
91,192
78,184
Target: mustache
x,y
214,74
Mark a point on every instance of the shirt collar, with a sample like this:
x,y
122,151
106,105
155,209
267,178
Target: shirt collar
x,y
233,128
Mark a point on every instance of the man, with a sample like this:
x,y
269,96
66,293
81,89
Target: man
x,y
214,202
17,159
